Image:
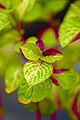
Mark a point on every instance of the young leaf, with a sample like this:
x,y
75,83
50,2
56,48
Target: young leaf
x,y
51,55
11,78
31,51
68,30
32,39
67,79
17,46
10,5
36,72
4,21
40,44
25,7
35,93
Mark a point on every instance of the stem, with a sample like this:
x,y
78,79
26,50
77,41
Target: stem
x,y
53,116
38,115
1,105
2,6
18,27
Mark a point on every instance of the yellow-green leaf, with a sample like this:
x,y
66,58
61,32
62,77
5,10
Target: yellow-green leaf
x,y
36,72
31,51
68,79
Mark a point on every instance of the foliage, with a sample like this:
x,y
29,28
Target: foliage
x,y
48,76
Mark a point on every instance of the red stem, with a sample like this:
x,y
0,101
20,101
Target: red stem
x,y
38,115
18,27
53,116
2,6
1,106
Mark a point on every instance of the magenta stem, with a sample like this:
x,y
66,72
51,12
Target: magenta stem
x,y
1,106
53,116
38,115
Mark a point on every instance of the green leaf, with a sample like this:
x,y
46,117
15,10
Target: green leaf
x,y
35,93
10,5
4,21
68,30
73,10
68,80
17,46
31,51
25,7
32,107
32,40
56,6
36,72
49,104
11,78
51,59
8,35
48,37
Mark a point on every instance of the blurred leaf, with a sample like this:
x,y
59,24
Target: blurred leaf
x,y
36,72
72,52
35,93
31,51
39,12
68,79
49,104
25,7
10,5
11,78
32,107
48,38
68,30
8,35
34,13
7,57
56,6
4,21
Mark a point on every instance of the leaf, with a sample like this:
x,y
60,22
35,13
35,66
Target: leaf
x,y
10,5
11,78
48,38
32,107
32,39
17,46
35,93
4,21
36,72
7,36
31,51
40,44
51,59
73,10
68,30
51,55
49,104
56,6
25,7
68,79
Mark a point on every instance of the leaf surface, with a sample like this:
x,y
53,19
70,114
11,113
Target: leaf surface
x,y
36,72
